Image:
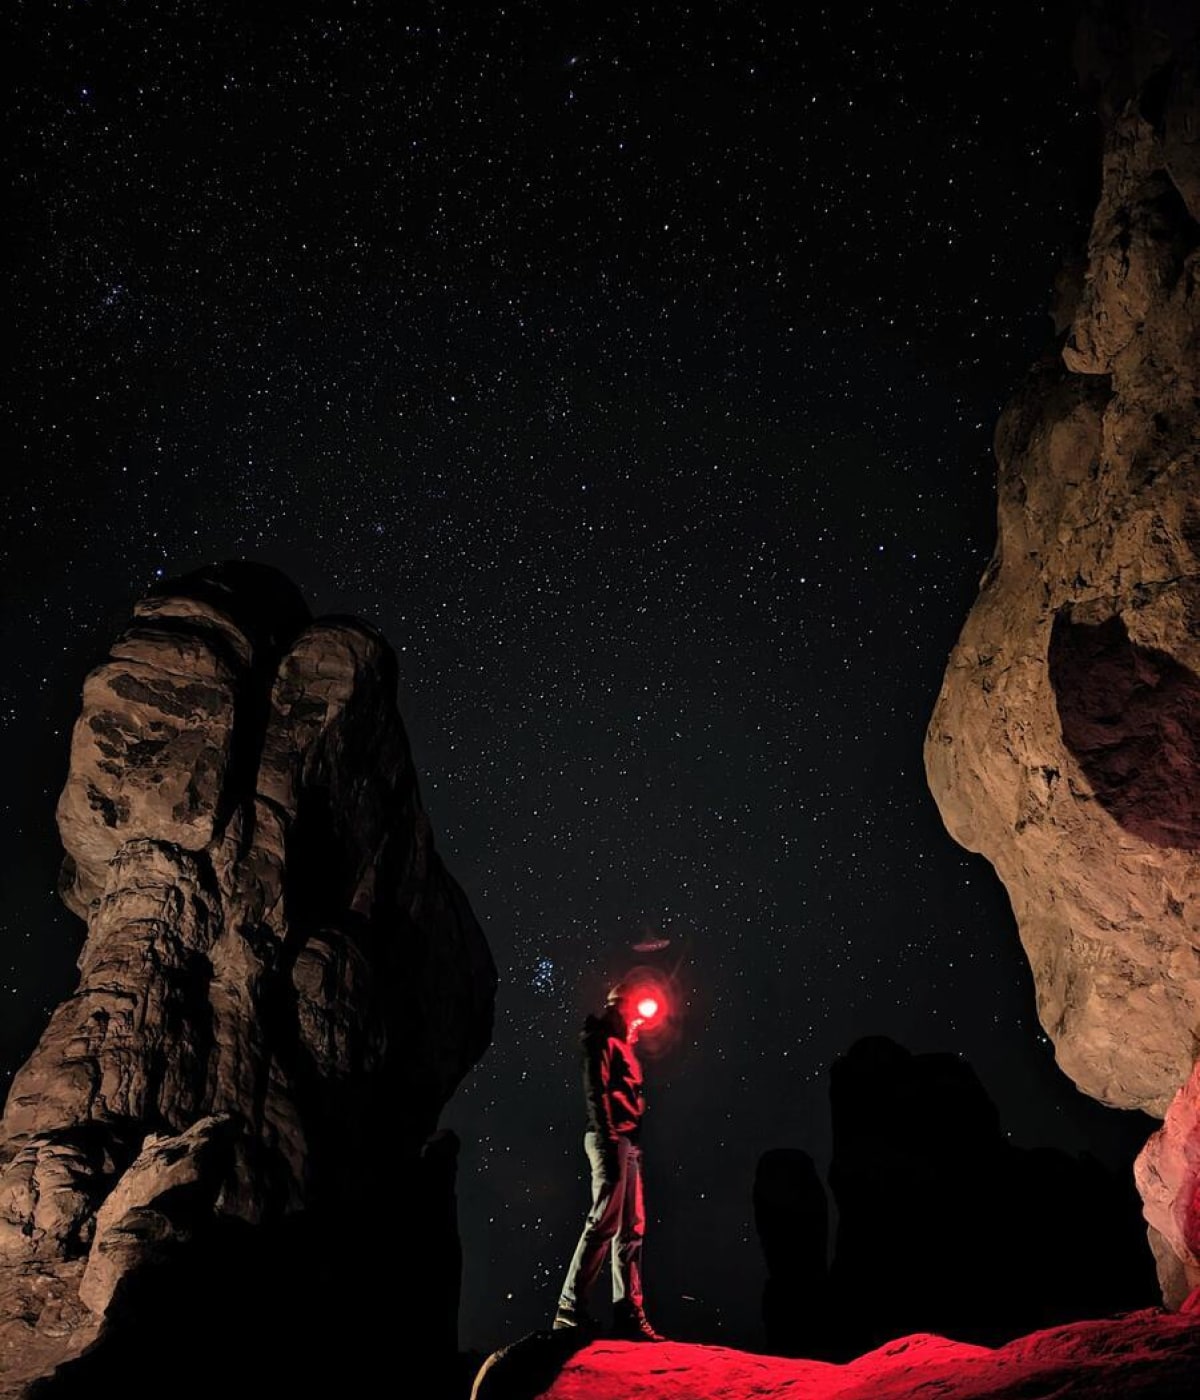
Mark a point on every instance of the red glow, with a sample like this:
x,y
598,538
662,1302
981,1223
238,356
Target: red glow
x,y
1140,1356
652,1003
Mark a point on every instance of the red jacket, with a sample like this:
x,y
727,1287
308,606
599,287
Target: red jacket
x,y
612,1077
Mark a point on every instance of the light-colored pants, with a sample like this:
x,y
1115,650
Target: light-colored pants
x,y
615,1225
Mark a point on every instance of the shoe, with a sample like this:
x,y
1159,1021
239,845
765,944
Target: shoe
x,y
572,1319
631,1324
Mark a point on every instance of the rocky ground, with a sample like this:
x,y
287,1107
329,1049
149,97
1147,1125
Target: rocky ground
x,y
1147,1355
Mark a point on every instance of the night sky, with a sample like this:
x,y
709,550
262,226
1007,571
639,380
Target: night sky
x,y
634,369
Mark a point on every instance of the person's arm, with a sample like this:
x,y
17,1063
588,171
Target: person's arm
x,y
597,1077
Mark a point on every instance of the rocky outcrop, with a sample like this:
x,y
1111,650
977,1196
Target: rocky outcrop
x,y
1065,744
918,1150
1168,1176
280,987
791,1217
1149,1355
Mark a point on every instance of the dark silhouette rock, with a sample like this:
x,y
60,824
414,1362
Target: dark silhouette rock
x,y
943,1225
235,1112
528,1366
792,1219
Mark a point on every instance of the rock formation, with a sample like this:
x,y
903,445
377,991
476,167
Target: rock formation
x,y
919,1151
1065,744
1149,1355
791,1217
280,988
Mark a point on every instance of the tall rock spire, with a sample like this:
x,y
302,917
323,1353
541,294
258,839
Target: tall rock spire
x,y
281,985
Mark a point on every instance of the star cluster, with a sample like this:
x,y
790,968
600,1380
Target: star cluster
x,y
634,368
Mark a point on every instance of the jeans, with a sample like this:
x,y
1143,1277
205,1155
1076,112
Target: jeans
x,y
615,1225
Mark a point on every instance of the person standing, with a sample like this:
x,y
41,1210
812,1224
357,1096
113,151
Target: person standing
x,y
616,1222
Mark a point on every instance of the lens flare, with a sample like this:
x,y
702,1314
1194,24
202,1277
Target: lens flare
x,y
654,1002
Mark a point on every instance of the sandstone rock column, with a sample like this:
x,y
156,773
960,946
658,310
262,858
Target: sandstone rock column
x,y
1065,744
281,985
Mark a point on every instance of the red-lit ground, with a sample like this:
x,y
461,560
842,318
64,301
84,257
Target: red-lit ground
x,y
1147,1355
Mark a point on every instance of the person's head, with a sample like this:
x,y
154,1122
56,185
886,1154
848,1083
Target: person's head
x,y
623,996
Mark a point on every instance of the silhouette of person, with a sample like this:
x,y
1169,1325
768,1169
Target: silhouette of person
x,y
616,1222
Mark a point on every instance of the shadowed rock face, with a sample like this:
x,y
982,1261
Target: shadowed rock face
x,y
919,1151
281,985
1130,718
1065,745
792,1220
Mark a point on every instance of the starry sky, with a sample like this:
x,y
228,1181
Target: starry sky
x,y
634,368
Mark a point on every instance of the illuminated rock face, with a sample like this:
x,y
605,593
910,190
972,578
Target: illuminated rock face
x,y
281,985
1168,1176
1148,1355
1065,745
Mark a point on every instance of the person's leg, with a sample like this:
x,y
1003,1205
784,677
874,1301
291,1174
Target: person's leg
x,y
599,1229
627,1244
629,1317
